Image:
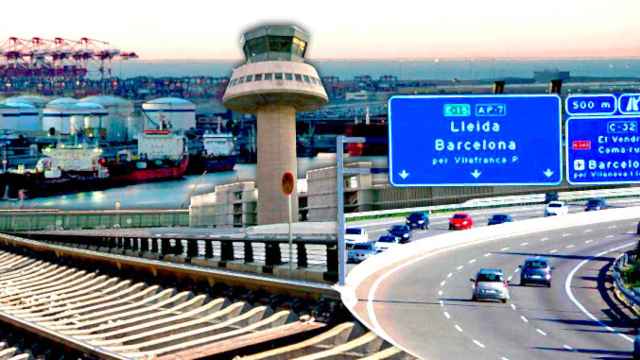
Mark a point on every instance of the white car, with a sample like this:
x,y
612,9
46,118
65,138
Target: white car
x,y
386,242
356,235
555,208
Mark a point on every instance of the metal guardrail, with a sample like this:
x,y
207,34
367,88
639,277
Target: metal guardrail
x,y
34,219
626,295
500,201
263,252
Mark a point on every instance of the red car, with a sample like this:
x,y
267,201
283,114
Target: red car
x,y
460,221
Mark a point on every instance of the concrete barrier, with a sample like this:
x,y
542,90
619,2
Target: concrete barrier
x,y
626,295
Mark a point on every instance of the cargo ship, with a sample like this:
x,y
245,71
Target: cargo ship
x,y
72,168
65,168
161,156
218,154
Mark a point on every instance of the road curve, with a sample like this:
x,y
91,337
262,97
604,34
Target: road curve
x,y
423,304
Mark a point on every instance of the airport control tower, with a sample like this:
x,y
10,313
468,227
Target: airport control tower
x,y
274,84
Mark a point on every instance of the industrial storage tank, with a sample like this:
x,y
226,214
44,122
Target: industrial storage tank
x,y
27,120
90,118
119,122
8,117
30,117
56,116
39,102
177,114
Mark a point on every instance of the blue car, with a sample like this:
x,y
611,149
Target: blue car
x,y
536,271
596,204
418,220
401,232
499,219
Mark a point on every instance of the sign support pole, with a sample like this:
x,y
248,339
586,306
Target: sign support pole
x,y
340,228
289,198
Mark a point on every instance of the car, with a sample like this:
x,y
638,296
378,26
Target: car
x,y
418,220
359,252
460,221
499,219
356,235
556,208
536,271
596,204
489,284
386,242
636,346
551,196
401,232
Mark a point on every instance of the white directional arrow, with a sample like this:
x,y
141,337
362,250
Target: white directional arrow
x,y
404,174
548,173
476,174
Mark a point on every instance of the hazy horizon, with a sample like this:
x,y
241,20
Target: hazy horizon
x,y
459,29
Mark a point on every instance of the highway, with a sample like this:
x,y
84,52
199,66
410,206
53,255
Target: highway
x,y
424,304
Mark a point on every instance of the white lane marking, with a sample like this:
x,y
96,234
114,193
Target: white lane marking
x,y
567,289
570,246
440,293
517,270
458,327
544,239
553,251
487,254
472,261
567,347
541,332
588,241
509,278
513,306
524,319
505,248
449,275
442,283
524,244
566,235
504,358
441,303
459,267
609,236
588,231
481,345
446,314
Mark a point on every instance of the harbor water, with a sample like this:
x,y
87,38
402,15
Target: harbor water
x,y
166,194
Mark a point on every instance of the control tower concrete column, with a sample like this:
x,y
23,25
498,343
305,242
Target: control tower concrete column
x,y
274,84
276,155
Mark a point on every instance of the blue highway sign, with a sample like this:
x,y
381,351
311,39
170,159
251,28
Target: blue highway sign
x,y
629,104
588,104
603,150
475,140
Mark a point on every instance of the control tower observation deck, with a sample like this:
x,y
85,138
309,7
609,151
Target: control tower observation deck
x,y
275,83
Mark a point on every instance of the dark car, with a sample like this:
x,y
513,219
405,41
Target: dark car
x,y
536,271
596,204
551,196
500,219
418,220
401,232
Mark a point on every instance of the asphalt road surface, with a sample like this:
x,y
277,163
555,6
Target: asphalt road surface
x,y
425,306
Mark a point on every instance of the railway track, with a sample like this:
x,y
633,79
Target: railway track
x,y
105,313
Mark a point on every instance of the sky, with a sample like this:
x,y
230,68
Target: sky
x,y
343,29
